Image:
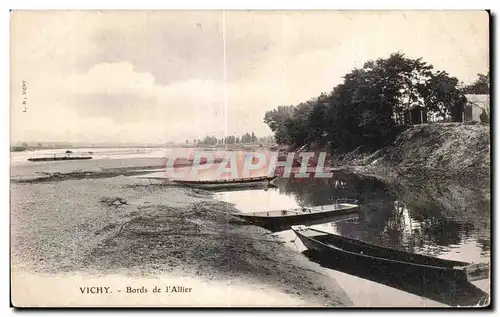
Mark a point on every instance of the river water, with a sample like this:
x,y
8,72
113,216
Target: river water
x,y
443,220
401,219
21,158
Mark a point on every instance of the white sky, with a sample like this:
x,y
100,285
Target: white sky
x,y
156,76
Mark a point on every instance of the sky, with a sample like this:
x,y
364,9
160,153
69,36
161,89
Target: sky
x,y
161,76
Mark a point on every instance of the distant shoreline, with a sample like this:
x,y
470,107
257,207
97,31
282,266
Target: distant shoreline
x,y
243,146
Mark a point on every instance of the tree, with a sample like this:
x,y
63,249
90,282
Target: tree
x,y
362,108
371,102
480,86
370,106
443,97
230,139
209,140
405,78
297,126
246,138
317,122
276,119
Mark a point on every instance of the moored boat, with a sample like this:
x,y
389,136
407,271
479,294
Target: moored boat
x,y
278,220
339,248
261,181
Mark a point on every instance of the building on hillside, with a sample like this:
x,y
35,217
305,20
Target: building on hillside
x,y
476,105
416,115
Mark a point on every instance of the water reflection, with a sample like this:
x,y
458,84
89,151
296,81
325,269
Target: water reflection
x,y
407,218
385,218
444,291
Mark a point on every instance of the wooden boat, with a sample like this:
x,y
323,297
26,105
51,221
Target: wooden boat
x,y
278,220
262,181
340,248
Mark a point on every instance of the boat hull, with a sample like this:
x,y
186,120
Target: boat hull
x,y
455,270
285,222
261,182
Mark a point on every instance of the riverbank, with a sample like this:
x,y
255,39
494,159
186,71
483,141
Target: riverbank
x,y
90,221
117,228
448,150
448,164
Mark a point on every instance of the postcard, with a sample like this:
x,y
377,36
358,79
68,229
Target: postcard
x,y
250,158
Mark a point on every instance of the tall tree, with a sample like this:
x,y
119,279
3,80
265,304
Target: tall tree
x,y
276,119
443,97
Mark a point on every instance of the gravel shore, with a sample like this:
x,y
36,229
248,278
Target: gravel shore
x,y
116,225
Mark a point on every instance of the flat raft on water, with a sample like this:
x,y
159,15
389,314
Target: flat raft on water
x,y
277,220
58,158
339,248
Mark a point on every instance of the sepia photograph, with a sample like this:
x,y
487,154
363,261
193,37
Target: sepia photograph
x,y
250,158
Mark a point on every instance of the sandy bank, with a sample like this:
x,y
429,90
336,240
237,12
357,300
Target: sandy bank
x,y
121,228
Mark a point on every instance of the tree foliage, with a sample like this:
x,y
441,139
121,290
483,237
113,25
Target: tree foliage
x,y
229,139
276,119
443,97
370,106
480,86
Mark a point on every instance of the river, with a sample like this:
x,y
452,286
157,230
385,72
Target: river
x,y
438,219
21,158
388,217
